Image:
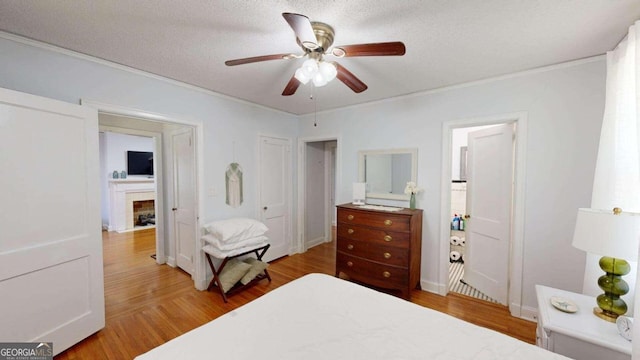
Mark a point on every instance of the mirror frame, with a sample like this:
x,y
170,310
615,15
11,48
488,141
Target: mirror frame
x,y
414,170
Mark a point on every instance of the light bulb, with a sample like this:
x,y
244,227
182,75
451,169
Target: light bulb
x,y
310,67
319,80
328,70
301,76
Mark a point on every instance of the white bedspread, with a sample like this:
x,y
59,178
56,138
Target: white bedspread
x,y
325,318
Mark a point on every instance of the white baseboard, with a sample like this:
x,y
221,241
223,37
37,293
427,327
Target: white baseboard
x,y
316,241
433,287
529,313
171,261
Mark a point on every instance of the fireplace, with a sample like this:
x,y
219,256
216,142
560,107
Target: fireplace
x,y
144,213
123,194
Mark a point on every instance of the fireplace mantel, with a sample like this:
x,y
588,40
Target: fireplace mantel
x,y
121,191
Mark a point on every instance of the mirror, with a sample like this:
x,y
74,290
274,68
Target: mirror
x,y
387,172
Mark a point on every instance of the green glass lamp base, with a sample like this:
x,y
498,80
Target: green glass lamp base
x,y
610,305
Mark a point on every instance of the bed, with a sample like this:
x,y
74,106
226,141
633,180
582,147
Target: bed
x,y
322,317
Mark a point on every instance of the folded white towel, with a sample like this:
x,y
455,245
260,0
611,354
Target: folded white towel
x,y
236,229
223,246
221,254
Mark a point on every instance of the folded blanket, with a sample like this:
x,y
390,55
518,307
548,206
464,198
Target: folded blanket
x,y
221,254
212,240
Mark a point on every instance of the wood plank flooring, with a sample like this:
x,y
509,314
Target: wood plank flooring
x,y
148,304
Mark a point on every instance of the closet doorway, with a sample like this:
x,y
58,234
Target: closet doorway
x,y
481,207
317,174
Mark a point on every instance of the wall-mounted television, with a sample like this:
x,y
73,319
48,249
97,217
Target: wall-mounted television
x,y
140,162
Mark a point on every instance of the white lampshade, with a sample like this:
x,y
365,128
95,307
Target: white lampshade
x,y
359,193
604,233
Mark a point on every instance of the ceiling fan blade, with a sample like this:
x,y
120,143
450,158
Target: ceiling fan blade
x,y
260,58
349,79
291,87
395,48
303,29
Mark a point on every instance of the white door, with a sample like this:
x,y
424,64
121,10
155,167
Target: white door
x,y
184,202
51,277
275,191
489,193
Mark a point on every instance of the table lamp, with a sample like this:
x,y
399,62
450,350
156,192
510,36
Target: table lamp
x,y
359,193
613,234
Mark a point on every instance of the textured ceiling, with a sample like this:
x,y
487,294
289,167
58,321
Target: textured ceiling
x,y
448,41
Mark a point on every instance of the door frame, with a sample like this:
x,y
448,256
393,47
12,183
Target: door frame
x,y
517,230
300,244
161,183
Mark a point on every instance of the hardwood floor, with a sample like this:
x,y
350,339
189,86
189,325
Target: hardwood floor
x,y
148,304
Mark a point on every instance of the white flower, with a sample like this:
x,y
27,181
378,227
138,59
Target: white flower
x,y
412,188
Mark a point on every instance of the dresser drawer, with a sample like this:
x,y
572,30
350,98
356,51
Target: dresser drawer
x,y
381,275
383,254
386,221
375,236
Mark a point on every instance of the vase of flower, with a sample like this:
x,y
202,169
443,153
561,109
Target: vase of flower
x,y
412,189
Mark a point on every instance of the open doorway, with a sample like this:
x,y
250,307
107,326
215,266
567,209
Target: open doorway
x,y
169,241
317,174
496,158
460,218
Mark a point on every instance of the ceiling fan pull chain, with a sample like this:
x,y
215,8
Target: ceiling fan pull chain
x,y
315,106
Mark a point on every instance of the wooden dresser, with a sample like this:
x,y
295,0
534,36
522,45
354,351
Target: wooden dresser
x,y
380,248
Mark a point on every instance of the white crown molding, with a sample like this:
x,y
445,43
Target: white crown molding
x,y
75,54
542,69
57,49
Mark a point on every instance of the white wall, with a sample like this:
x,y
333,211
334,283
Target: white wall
x,y
564,107
227,124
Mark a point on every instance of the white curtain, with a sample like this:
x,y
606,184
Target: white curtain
x,y
617,176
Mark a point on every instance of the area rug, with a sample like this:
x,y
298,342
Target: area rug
x,y
457,284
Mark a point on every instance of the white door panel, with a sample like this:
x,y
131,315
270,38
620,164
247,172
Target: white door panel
x,y
51,278
275,189
489,198
184,198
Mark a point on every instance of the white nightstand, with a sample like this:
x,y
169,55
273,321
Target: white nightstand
x,y
580,335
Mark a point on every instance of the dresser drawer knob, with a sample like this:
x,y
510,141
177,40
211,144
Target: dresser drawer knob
x,y
350,247
387,255
386,274
350,231
349,264
388,222
350,217
388,238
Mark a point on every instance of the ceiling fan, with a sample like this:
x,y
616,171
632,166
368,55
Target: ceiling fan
x,y
315,39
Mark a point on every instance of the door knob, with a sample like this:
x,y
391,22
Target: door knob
x,y
174,209
264,208
467,216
